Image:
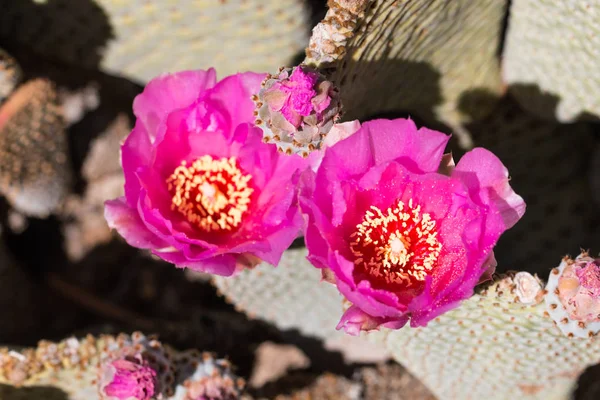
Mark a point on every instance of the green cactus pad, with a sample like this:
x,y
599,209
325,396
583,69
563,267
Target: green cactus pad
x,y
419,56
494,346
290,295
141,39
552,58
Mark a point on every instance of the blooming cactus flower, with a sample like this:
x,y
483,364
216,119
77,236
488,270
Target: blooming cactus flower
x,y
131,379
402,231
201,188
296,109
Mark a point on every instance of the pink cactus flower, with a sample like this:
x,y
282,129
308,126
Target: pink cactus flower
x,y
201,188
130,380
403,232
579,289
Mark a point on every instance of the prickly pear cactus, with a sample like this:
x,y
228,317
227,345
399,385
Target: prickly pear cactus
x,y
464,353
275,294
34,172
502,343
435,58
551,61
140,39
292,296
110,367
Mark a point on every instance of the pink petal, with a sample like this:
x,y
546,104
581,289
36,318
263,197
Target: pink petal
x,y
120,216
378,303
223,265
136,152
355,320
235,95
380,141
340,132
167,93
480,169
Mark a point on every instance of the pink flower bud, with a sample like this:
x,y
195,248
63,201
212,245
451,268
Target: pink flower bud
x,y
296,109
131,379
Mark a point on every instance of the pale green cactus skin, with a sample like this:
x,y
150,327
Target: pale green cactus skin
x,y
499,344
293,296
71,368
290,295
417,56
495,347
141,39
552,55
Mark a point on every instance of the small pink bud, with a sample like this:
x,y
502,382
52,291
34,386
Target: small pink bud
x,y
573,296
300,107
579,288
131,379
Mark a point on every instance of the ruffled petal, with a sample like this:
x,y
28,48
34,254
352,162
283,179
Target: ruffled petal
x,y
136,152
223,265
379,303
354,320
381,141
481,170
167,93
235,94
120,216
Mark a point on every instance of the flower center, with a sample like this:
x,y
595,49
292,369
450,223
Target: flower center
x,y
212,194
397,246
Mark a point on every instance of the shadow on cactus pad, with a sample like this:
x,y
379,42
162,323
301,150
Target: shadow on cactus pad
x,y
74,30
36,392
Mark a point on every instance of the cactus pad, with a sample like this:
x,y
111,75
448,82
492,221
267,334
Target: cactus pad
x,y
552,57
34,171
141,39
275,294
494,346
419,56
76,367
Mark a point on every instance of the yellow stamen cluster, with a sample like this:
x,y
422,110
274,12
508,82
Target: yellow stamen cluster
x,y
399,246
213,194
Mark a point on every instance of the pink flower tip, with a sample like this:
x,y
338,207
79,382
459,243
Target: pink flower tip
x,y
131,380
